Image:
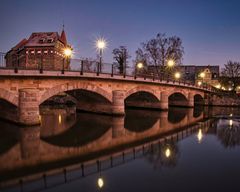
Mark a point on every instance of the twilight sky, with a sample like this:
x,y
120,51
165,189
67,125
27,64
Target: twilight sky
x,y
209,29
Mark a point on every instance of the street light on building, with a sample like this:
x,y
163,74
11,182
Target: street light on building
x,y
67,53
100,44
202,76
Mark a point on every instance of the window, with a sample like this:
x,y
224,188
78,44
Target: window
x,y
50,40
41,40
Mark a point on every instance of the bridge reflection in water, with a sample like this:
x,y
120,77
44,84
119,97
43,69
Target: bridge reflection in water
x,y
88,143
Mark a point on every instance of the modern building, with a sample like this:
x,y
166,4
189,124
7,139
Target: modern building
x,y
42,50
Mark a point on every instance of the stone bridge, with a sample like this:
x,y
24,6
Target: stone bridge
x,y
22,93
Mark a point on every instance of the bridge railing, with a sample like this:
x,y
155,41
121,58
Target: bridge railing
x,y
83,66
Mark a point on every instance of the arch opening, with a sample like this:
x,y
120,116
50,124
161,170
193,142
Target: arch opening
x,y
177,99
82,100
198,100
142,99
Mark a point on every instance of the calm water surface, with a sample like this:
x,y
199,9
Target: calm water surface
x,y
179,150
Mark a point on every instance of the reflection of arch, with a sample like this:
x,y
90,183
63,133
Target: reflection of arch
x,y
142,89
8,96
77,86
7,138
197,111
177,99
175,115
229,135
198,99
88,128
139,120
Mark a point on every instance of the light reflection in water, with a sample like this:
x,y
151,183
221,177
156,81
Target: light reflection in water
x,y
167,152
59,119
100,182
200,135
230,123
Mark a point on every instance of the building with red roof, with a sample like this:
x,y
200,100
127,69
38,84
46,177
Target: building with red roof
x,y
42,50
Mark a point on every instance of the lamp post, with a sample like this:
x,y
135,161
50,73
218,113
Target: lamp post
x,y
177,75
67,53
139,66
170,65
100,44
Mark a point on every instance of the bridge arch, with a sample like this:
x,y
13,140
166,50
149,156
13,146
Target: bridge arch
x,y
77,86
8,96
142,89
198,99
178,99
142,98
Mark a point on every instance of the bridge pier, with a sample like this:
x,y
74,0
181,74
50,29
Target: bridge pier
x,y
190,102
118,129
28,106
164,101
118,102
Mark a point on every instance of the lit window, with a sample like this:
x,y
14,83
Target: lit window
x,y
51,51
38,51
26,52
32,52
45,51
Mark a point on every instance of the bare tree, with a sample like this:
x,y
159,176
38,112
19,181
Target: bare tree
x,y
121,56
231,74
157,51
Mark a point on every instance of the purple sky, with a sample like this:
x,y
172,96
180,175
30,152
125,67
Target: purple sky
x,y
210,29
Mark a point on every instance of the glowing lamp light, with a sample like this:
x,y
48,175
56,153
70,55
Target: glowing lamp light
x,y
199,135
101,43
68,52
140,65
218,86
202,75
168,153
230,123
100,182
59,118
177,75
170,63
199,83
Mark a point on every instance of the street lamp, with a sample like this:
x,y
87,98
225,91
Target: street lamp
x,y
140,65
67,53
170,63
177,75
100,44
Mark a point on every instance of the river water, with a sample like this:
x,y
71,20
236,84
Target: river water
x,y
177,150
